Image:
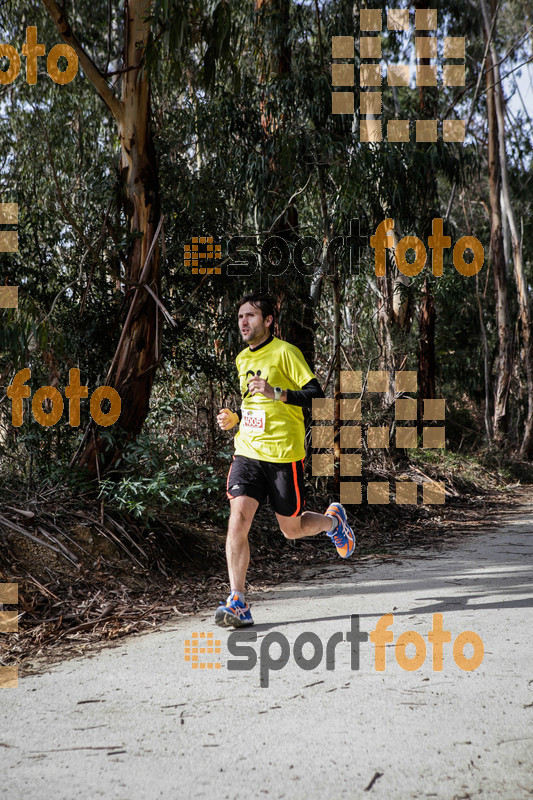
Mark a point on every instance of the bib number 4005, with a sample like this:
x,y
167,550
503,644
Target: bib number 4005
x,y
253,421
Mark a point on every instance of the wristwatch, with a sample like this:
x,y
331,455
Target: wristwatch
x,y
277,393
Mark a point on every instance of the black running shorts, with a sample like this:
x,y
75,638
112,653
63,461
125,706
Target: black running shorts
x,y
283,484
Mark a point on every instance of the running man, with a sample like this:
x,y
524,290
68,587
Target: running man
x,y
276,383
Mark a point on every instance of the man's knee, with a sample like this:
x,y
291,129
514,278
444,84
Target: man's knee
x,y
240,520
238,514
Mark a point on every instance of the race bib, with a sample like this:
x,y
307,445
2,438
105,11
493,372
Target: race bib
x,y
253,421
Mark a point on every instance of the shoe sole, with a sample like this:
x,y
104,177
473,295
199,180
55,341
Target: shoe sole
x,y
226,620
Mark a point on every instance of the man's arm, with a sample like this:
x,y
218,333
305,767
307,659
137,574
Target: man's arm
x,y
303,397
294,397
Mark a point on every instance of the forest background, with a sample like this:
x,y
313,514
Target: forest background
x,y
214,119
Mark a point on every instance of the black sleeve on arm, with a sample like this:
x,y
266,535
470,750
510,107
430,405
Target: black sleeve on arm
x,y
303,397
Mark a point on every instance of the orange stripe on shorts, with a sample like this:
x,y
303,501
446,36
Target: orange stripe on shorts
x,y
298,499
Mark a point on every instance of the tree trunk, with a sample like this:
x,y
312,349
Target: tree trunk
x,y
394,312
426,351
293,290
503,377
486,366
429,211
385,321
136,358
526,448
402,306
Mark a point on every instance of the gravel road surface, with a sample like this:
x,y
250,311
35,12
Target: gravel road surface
x,y
136,721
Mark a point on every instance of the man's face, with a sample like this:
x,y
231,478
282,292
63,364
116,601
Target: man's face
x,y
254,329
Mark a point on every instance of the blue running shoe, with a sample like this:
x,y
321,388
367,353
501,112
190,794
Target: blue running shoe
x,y
343,536
233,613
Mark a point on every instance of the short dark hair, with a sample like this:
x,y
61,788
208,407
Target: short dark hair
x,y
264,302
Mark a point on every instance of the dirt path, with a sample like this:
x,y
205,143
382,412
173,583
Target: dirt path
x,y
136,721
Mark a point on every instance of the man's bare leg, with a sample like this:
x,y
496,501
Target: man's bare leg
x,y
308,524
242,512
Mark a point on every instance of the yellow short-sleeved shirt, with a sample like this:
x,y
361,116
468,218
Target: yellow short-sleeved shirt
x,y
283,437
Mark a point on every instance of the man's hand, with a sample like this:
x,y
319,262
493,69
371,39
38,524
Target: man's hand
x,y
227,419
260,386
